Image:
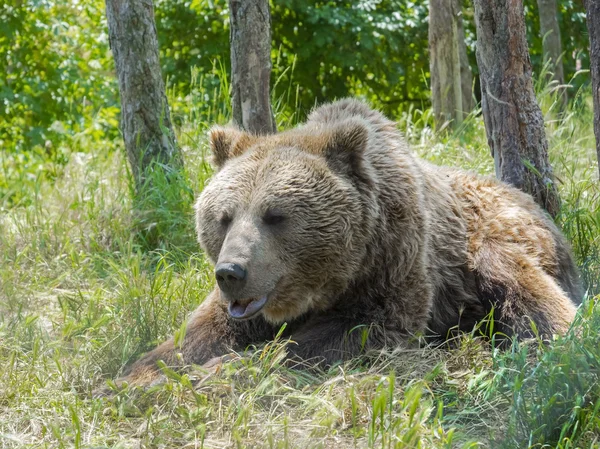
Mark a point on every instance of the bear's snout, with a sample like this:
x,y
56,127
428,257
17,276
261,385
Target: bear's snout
x,y
231,277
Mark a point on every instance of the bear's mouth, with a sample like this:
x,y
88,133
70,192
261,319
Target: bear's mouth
x,y
244,309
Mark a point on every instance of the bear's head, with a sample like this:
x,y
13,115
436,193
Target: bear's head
x,y
287,219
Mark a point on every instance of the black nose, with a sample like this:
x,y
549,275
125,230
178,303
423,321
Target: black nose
x,y
230,276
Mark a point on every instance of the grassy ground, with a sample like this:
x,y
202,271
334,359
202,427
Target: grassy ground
x,y
80,297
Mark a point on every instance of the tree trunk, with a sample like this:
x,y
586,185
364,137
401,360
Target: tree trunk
x,y
145,117
593,24
466,74
250,37
513,120
552,46
444,63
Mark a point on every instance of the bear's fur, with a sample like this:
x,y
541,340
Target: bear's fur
x,y
339,227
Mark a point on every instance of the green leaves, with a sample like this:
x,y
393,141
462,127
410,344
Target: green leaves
x,y
376,49
56,72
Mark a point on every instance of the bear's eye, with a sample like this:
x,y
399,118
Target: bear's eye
x,y
225,220
272,217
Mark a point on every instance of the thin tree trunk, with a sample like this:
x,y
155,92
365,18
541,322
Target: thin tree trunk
x,y
513,120
593,24
444,63
145,117
250,37
466,74
552,45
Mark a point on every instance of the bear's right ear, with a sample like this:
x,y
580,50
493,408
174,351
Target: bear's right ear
x,y
221,142
225,143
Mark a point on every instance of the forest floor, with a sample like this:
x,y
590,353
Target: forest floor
x,y
80,297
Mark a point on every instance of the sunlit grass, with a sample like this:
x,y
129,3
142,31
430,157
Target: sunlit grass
x,y
81,296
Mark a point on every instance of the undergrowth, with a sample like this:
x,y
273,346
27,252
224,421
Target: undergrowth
x,y
86,286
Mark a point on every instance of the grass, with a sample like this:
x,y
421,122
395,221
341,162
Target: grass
x,y
81,295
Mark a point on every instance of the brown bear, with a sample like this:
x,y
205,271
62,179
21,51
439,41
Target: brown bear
x,y
336,226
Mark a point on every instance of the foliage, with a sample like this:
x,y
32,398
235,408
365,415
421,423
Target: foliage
x,y
57,78
56,73
342,36
332,44
192,34
574,38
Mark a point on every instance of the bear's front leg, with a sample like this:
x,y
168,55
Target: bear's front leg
x,y
327,339
356,326
210,333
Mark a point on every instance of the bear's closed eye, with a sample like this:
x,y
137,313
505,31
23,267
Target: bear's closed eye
x,y
225,220
273,217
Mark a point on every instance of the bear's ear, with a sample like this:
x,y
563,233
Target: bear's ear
x,y
221,142
345,147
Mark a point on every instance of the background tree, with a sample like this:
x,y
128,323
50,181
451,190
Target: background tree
x,y
250,33
593,23
552,45
444,62
513,120
145,116
466,73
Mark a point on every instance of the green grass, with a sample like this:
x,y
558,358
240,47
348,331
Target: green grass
x,y
86,286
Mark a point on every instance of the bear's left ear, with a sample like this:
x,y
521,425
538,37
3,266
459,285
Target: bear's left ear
x,y
344,150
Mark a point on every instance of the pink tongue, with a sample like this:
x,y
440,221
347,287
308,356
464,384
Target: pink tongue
x,y
241,311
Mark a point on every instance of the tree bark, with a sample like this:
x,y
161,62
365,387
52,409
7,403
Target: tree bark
x,y
444,63
145,117
552,45
593,24
250,37
513,119
466,74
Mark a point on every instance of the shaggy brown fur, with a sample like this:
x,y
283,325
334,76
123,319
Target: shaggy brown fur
x,y
340,228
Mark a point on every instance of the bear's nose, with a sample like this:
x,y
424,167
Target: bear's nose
x,y
230,276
